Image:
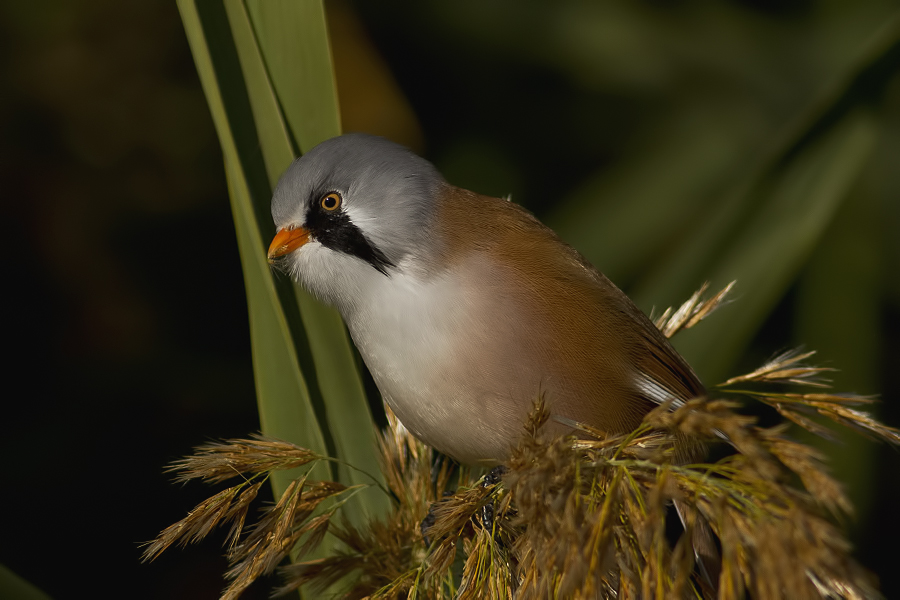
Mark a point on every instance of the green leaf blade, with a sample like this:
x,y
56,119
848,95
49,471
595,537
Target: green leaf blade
x,y
309,388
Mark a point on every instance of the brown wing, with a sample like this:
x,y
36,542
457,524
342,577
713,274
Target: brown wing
x,y
600,359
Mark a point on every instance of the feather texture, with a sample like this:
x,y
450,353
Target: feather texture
x,y
515,314
474,309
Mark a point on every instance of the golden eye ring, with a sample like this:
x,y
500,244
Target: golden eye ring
x,y
331,201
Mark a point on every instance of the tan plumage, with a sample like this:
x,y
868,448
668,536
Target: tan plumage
x,y
465,308
546,323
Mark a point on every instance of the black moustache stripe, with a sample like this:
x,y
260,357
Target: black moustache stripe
x,y
335,230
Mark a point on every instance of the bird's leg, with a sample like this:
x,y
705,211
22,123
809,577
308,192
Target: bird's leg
x,y
429,520
494,475
437,467
487,511
485,514
426,524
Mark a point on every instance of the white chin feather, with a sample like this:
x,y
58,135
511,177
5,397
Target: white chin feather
x,y
333,277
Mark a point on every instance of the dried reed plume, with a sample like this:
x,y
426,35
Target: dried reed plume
x,y
281,526
566,518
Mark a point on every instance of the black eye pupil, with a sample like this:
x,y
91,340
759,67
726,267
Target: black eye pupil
x,y
330,202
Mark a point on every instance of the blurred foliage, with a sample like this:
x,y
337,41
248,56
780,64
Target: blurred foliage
x,y
626,125
13,586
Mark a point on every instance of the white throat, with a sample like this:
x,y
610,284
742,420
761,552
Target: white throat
x,y
404,328
403,324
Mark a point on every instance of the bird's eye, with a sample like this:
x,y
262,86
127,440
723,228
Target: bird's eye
x,y
331,202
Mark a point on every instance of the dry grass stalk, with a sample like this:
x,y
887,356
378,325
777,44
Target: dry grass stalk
x,y
282,526
790,368
691,312
388,558
220,461
787,367
570,518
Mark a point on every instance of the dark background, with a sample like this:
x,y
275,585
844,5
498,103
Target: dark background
x,y
124,312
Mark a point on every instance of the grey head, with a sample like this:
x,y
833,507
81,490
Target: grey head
x,y
381,217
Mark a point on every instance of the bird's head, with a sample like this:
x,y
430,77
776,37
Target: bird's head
x,y
354,208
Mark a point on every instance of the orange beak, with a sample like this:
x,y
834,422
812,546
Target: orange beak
x,y
287,240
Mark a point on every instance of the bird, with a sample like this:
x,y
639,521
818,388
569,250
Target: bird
x,y
464,307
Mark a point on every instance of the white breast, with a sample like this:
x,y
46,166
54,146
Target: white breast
x,y
404,329
402,323
434,359
437,346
